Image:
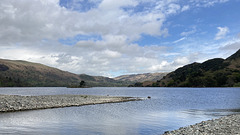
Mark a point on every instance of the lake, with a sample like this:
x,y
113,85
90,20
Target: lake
x,y
168,109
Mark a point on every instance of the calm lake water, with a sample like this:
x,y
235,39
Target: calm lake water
x,y
168,109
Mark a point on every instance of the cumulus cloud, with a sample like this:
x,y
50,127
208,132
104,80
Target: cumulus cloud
x,y
177,62
182,61
161,66
222,31
40,19
35,30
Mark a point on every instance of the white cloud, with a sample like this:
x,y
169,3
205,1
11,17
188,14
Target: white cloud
x,y
161,66
179,61
182,61
222,31
185,8
113,53
173,8
187,33
206,3
31,21
111,5
231,45
30,30
179,40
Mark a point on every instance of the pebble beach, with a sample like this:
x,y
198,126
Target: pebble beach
x,y
227,125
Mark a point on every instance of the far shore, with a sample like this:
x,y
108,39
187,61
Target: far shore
x,y
11,103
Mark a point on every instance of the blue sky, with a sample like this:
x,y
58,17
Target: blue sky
x,y
111,38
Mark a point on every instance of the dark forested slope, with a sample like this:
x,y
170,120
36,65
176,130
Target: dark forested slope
x,y
211,73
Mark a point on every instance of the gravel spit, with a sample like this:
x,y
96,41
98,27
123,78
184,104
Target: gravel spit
x,y
10,103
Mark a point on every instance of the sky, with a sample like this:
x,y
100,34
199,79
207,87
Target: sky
x,y
118,37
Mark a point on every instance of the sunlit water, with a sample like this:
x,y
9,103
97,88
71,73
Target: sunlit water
x,y
168,109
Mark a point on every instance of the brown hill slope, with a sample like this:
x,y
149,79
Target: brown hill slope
x,y
141,77
23,73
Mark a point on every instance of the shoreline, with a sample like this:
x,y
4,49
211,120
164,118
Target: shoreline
x,y
13,103
226,125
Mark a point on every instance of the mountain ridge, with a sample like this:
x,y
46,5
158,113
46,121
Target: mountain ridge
x,y
215,72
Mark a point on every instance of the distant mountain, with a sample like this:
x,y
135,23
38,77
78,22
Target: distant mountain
x,y
100,81
211,73
146,77
22,73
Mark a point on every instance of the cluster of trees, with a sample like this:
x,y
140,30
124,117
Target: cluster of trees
x,y
82,84
10,82
137,84
208,79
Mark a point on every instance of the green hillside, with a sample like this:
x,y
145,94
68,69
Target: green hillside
x,y
212,73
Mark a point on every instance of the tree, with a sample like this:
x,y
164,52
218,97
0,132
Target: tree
x,y
138,84
82,84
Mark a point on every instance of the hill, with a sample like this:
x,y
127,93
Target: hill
x,y
211,73
100,81
22,73
141,77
